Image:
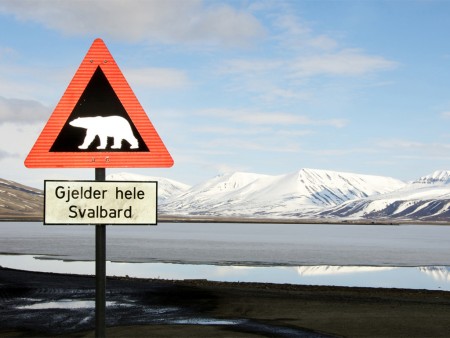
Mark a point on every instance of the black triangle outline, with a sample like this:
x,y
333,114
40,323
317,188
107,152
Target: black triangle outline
x,y
105,100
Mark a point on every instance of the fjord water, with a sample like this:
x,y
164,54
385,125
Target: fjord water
x,y
409,256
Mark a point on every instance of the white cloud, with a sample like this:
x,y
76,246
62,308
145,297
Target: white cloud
x,y
287,78
340,151
264,144
291,25
224,130
295,33
347,62
265,77
292,133
323,42
17,139
17,110
248,67
445,115
44,84
408,149
156,77
270,118
5,154
273,118
292,33
168,21
244,131
399,143
6,52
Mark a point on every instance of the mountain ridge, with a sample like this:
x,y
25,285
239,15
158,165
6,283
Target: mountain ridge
x,y
427,198
303,194
290,195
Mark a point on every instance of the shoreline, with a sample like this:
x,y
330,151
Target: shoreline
x,y
250,220
383,277
220,309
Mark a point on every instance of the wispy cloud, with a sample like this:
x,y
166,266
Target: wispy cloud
x,y
35,83
286,119
17,110
157,77
409,149
399,143
17,139
445,114
228,130
323,42
299,61
169,21
341,151
263,144
247,67
5,154
346,62
244,131
289,79
6,52
250,117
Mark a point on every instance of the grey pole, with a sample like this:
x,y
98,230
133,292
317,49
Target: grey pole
x,y
100,269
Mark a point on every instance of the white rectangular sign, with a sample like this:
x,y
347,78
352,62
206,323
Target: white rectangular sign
x,y
95,202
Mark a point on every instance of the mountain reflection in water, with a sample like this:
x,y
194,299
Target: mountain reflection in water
x,y
424,277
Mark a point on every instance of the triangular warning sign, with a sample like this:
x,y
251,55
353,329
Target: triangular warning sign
x,y
98,123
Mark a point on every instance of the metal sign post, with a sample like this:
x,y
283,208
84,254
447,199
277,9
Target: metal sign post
x,y
100,269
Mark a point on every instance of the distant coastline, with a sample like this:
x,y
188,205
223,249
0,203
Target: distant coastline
x,y
218,219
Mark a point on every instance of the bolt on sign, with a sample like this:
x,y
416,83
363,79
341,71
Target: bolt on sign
x,y
95,202
98,123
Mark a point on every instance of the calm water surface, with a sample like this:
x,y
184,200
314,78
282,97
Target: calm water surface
x,y
318,254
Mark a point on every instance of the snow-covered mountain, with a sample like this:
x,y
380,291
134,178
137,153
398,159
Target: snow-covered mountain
x,y
167,188
438,177
425,199
297,194
307,193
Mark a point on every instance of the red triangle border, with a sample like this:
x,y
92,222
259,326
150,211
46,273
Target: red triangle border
x,y
40,156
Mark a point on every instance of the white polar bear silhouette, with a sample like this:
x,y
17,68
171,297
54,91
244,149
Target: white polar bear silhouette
x,y
104,127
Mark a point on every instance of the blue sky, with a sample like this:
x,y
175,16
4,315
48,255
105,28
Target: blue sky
x,y
258,86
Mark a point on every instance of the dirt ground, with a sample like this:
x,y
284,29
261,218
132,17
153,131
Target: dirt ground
x,y
199,308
